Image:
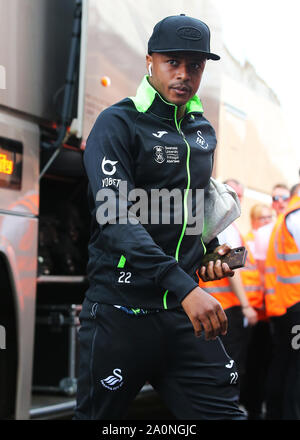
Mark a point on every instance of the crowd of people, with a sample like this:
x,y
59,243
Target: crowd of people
x,y
262,304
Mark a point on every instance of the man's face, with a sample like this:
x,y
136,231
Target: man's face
x,y
263,218
280,199
176,75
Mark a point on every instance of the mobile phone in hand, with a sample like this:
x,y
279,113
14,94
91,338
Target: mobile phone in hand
x,y
235,258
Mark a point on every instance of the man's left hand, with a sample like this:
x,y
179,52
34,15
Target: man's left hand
x,y
217,270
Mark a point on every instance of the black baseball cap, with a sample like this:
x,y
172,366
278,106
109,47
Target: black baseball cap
x,y
181,33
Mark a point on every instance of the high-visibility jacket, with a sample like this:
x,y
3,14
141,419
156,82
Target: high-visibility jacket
x,y
221,289
274,306
282,278
251,279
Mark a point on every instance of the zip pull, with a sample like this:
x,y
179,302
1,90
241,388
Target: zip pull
x,y
179,129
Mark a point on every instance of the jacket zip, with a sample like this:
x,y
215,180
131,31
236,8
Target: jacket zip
x,y
184,199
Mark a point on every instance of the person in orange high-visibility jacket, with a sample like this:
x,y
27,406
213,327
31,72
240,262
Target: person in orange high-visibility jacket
x,y
282,289
259,341
282,282
223,292
227,290
231,293
260,215
274,305
252,282
237,296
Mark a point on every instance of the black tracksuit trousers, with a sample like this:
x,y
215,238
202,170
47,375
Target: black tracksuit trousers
x,y
283,386
120,352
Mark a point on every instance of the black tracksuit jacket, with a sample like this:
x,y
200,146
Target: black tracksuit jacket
x,y
138,141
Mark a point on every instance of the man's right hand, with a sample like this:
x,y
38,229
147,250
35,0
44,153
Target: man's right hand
x,y
205,311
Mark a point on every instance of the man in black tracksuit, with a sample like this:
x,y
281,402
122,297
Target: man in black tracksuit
x,y
144,302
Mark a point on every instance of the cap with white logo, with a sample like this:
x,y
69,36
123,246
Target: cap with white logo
x,y
181,33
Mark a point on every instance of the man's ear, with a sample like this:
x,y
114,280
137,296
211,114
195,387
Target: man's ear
x,y
149,64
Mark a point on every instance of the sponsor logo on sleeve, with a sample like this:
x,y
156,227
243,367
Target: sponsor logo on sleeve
x,y
109,166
